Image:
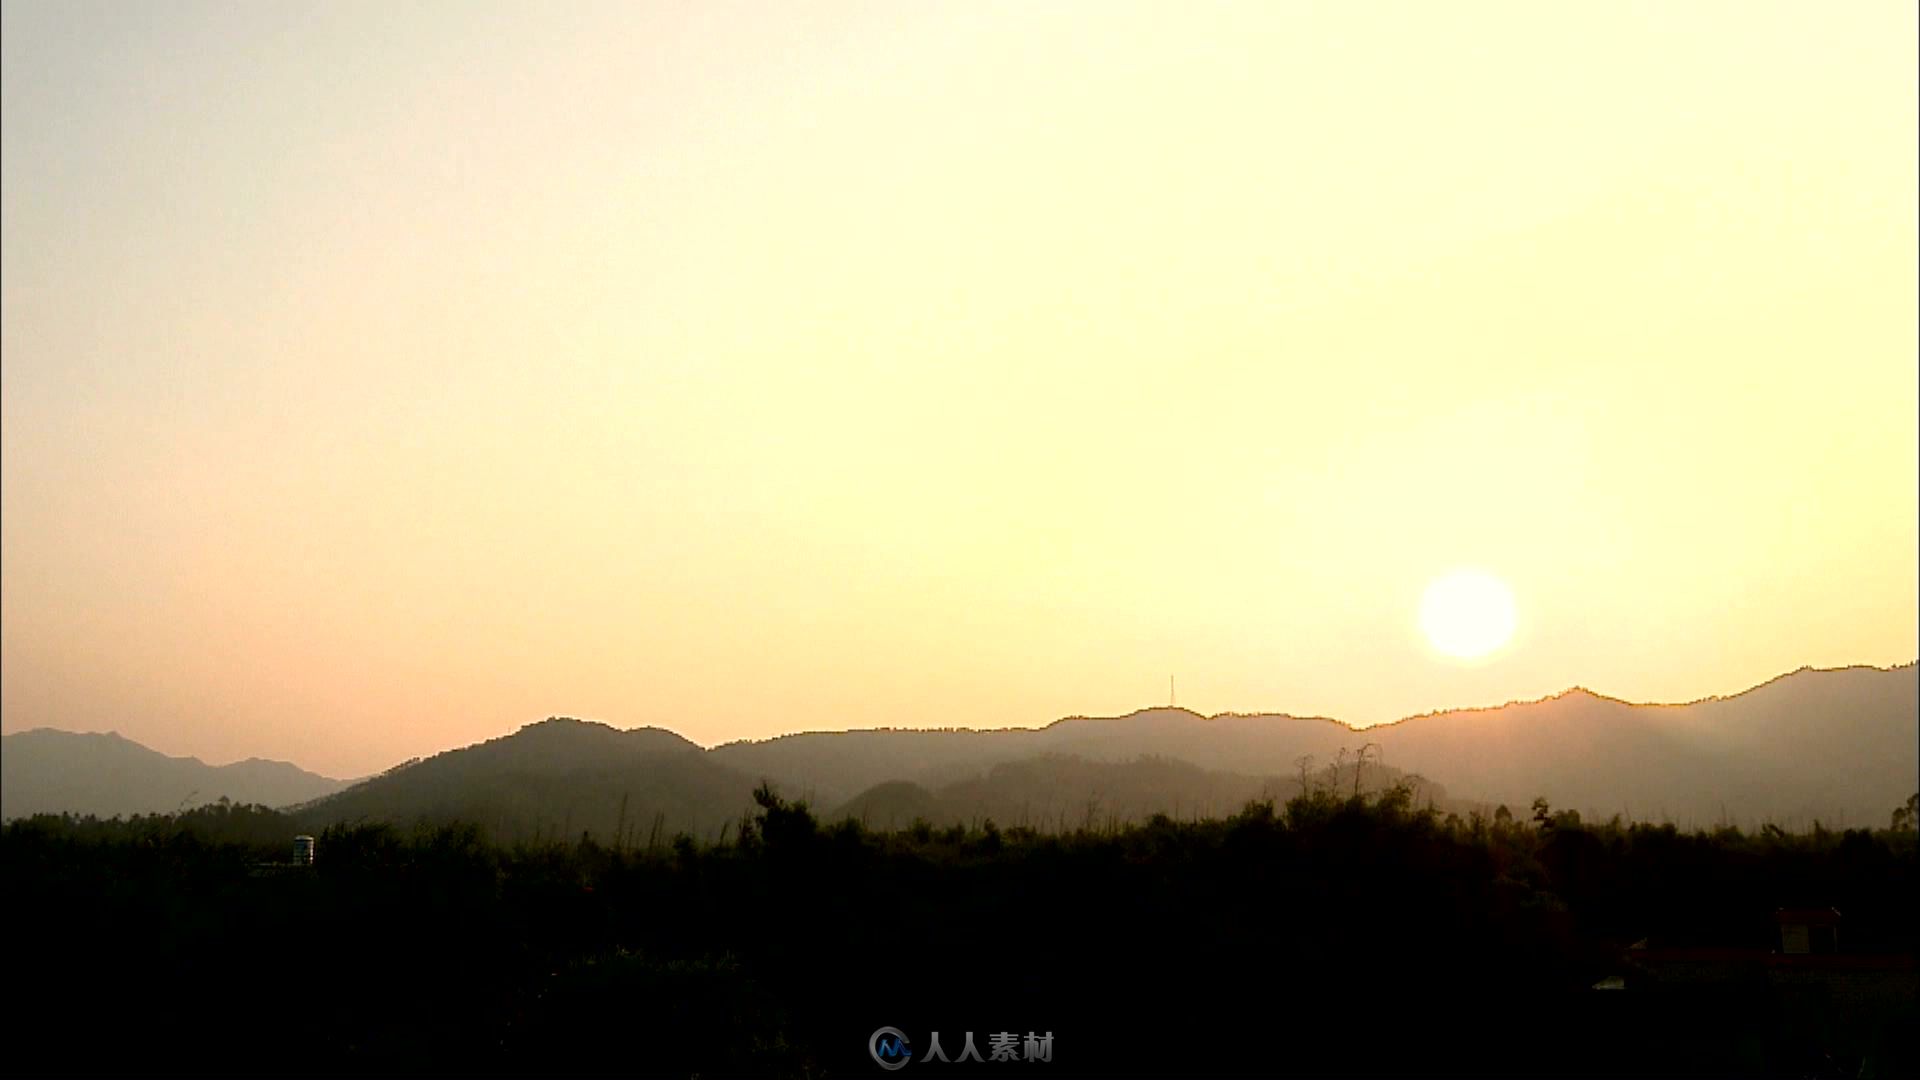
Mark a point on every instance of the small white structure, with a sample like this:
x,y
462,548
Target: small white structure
x,y
303,851
1808,931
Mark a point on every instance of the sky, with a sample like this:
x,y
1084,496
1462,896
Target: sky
x,y
379,378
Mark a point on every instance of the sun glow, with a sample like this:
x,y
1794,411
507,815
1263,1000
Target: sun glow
x,y
1467,614
791,367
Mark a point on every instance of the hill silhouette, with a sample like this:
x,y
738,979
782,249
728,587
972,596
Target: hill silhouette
x,y
835,766
1838,746
555,779
1841,746
1058,792
44,771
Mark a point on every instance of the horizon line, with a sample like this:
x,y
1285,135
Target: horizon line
x,y
1229,713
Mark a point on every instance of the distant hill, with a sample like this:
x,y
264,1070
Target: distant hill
x,y
1842,746
1055,793
47,771
561,778
832,767
556,779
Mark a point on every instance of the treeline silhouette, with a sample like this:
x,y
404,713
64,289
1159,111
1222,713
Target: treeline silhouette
x,y
1337,933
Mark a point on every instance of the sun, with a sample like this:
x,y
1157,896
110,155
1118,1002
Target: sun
x,y
1467,614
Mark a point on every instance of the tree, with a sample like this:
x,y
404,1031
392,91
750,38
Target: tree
x,y
1360,760
779,824
1907,818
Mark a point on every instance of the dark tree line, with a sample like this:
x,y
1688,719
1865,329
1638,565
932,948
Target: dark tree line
x,y
1335,934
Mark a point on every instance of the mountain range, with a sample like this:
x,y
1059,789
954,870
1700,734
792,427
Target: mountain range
x,y
1833,744
1841,746
105,774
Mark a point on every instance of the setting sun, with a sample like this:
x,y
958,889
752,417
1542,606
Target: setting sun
x,y
1467,613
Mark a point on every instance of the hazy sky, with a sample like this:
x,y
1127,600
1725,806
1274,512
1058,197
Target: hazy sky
x,y
380,377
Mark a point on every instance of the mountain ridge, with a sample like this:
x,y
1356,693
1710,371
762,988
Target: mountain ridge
x,y
1833,744
1242,714
114,734
46,770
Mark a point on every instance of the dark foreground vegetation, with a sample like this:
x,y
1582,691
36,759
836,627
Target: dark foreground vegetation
x,y
1332,935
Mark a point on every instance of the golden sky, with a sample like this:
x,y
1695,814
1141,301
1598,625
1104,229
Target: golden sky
x,y
378,378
